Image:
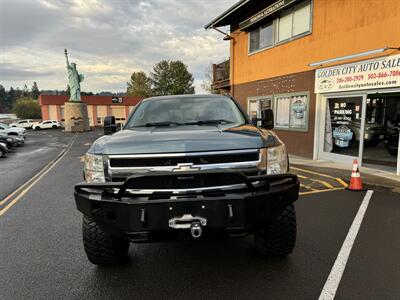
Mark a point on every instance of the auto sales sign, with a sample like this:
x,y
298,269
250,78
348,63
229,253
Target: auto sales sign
x,y
383,72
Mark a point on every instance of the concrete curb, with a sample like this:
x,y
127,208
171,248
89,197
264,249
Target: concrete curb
x,y
372,178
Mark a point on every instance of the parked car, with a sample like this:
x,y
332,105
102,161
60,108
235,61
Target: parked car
x,y
187,167
374,133
20,141
3,149
24,124
47,124
12,130
8,140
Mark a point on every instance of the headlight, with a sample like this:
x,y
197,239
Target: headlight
x,y
9,139
277,160
94,168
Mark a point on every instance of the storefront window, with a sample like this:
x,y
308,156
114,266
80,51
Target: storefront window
x,y
291,111
381,134
257,104
343,125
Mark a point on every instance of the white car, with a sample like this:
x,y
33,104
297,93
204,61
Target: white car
x,y
47,124
24,124
12,130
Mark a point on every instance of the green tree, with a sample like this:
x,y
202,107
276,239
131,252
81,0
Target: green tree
x,y
10,98
26,108
171,78
25,91
139,85
3,99
35,91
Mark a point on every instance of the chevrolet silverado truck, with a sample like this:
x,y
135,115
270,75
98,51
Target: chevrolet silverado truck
x,y
187,167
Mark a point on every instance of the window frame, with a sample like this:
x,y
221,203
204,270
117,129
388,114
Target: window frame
x,y
275,24
306,113
264,48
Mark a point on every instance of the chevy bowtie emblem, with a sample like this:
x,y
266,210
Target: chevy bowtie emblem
x,y
185,167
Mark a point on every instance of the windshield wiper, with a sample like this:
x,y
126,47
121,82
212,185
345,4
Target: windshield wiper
x,y
209,122
158,124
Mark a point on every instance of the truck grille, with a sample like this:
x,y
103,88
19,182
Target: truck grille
x,y
135,162
184,182
120,167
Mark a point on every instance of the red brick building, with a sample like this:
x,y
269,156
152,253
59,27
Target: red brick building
x,y
98,107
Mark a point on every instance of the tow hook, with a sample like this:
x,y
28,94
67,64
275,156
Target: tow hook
x,y
193,223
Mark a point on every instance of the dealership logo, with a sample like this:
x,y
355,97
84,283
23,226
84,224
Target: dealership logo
x,y
117,100
325,84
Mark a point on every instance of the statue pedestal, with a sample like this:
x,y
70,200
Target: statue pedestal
x,y
76,117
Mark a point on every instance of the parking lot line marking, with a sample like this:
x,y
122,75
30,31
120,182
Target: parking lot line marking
x,y
307,187
320,191
332,283
35,179
322,175
324,183
301,176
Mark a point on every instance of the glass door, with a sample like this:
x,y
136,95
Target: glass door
x,y
344,124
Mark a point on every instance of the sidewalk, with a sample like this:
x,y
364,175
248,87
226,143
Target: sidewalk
x,y
371,178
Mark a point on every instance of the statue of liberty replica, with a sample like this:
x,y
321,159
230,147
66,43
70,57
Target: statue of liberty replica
x,y
75,111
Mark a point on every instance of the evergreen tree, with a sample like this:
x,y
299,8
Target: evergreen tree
x,y
3,99
25,91
139,85
171,78
35,91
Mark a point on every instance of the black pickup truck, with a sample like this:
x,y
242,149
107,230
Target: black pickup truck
x,y
187,167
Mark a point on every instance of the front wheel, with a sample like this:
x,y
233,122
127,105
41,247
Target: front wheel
x,y
101,248
278,237
3,153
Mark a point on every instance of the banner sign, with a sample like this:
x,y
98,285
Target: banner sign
x,y
383,72
265,12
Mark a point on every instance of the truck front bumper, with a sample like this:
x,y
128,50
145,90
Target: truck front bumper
x,y
164,215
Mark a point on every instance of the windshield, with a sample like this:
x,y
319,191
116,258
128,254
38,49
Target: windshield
x,y
4,125
186,111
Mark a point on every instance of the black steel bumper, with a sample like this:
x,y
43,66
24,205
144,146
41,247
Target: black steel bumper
x,y
144,217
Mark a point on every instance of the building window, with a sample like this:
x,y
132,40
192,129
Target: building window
x,y
291,111
262,37
293,22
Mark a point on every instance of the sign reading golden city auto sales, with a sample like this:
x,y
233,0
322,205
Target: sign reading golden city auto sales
x,y
377,73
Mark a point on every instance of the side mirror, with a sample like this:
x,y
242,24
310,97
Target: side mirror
x,y
267,118
109,125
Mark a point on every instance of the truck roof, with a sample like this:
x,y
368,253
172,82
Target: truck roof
x,y
185,96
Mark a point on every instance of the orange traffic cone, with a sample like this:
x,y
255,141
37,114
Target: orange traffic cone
x,y
355,180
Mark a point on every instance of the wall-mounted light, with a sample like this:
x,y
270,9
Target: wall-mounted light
x,y
227,36
355,55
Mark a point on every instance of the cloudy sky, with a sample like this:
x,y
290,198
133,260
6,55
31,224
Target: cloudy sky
x,y
107,39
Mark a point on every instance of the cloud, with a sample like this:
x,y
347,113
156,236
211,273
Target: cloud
x,y
107,39
13,72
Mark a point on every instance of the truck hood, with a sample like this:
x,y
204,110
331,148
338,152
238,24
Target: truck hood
x,y
142,140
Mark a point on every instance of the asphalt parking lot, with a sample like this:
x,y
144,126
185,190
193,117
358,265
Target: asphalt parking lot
x,y
41,252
